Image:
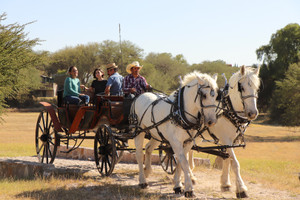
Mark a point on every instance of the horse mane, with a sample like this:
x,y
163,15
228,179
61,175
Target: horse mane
x,y
249,74
190,77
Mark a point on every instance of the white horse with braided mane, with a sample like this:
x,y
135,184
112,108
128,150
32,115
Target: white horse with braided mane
x,y
242,93
155,115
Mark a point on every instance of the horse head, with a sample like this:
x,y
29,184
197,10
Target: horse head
x,y
243,88
200,96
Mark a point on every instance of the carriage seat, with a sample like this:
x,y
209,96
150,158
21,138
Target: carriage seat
x,y
67,113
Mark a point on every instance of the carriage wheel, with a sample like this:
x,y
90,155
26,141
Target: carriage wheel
x,y
105,150
46,138
167,159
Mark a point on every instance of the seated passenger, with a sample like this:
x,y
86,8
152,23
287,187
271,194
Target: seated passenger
x,y
115,80
134,83
99,84
72,93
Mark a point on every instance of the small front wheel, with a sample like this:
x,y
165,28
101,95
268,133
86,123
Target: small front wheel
x,y
45,138
167,159
105,150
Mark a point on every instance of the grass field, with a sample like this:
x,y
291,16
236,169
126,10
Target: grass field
x,y
271,157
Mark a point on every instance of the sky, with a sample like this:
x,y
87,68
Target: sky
x,y
200,30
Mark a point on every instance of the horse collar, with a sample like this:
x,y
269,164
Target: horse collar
x,y
179,114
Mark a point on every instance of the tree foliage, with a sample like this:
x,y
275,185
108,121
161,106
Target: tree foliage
x,y
164,69
87,57
282,50
17,61
285,102
212,67
121,54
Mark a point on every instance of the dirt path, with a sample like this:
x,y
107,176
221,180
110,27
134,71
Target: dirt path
x,y
124,180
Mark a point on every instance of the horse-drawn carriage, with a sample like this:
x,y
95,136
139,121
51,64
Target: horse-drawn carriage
x,y
171,123
106,122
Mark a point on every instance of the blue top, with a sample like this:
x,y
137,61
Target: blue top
x,y
115,82
71,87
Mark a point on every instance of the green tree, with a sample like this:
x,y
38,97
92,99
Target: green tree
x,y
17,61
84,57
212,67
285,105
164,70
87,57
122,55
282,50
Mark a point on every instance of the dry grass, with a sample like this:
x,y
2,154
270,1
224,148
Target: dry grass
x,y
274,163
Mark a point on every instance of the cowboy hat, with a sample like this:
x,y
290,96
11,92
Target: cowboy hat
x,y
134,64
111,66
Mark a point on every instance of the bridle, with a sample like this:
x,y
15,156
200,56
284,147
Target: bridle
x,y
199,119
240,89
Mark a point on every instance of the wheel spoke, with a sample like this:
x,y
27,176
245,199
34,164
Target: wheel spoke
x,y
108,161
47,115
40,148
167,163
164,158
47,148
102,161
105,166
43,121
171,163
50,153
43,155
42,130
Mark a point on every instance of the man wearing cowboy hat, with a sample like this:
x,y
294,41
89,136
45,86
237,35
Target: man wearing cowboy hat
x,y
115,80
134,83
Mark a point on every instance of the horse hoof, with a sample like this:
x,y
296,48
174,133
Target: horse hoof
x,y
241,195
194,181
189,194
178,190
143,185
225,189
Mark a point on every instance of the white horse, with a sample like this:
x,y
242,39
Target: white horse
x,y
193,106
242,93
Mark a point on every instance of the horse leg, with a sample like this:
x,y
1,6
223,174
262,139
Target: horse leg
x,y
225,177
150,146
177,176
191,160
138,140
181,157
241,188
187,150
177,179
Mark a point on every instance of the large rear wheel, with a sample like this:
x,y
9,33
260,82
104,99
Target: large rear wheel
x,y
46,138
105,150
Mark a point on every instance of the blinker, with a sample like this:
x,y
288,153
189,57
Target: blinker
x,y
212,93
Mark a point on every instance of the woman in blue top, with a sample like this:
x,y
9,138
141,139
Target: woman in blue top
x,y
72,92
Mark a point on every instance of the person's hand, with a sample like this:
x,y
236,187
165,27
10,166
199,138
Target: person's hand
x,y
132,90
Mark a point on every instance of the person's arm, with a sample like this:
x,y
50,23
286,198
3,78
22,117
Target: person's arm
x,y
107,90
108,85
144,83
126,88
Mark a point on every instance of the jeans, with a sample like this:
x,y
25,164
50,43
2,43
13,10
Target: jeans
x,y
77,99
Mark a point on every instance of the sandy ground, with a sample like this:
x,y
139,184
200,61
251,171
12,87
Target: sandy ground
x,y
160,183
